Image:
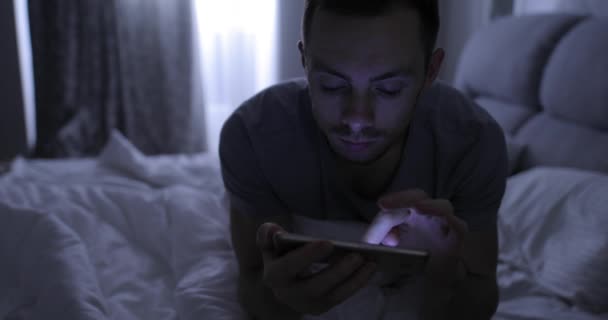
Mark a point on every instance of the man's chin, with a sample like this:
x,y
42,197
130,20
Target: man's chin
x,y
362,158
362,161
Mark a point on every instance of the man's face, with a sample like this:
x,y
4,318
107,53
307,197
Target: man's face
x,y
365,75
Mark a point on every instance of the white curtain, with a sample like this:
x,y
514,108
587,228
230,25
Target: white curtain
x,y
238,47
27,74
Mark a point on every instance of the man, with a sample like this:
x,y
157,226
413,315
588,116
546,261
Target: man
x,y
368,132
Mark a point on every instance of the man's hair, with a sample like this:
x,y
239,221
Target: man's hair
x,y
428,11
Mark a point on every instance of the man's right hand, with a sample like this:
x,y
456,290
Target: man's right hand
x,y
315,294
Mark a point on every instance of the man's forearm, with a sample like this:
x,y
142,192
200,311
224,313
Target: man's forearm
x,y
259,301
475,298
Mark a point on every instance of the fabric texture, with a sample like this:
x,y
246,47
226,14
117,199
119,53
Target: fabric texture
x,y
552,221
33,246
275,161
123,236
578,92
509,116
549,90
555,142
560,242
127,65
514,66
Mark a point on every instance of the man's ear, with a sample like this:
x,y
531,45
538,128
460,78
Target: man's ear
x,y
434,66
302,55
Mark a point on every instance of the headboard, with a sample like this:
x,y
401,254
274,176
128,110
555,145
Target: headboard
x,y
544,78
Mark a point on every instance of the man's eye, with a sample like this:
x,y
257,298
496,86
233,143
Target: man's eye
x,y
389,92
332,88
390,88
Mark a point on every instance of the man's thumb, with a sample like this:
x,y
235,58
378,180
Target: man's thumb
x,y
265,235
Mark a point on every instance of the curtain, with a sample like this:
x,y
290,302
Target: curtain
x,y
129,65
238,46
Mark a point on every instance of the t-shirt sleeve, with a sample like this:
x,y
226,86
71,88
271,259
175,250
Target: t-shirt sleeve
x,y
483,175
248,188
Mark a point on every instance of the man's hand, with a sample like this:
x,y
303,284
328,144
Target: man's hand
x,y
413,220
314,294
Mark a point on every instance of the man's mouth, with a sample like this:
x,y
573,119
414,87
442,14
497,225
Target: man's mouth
x,y
357,145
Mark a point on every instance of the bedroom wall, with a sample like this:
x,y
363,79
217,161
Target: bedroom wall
x,y
459,20
12,123
290,15
593,7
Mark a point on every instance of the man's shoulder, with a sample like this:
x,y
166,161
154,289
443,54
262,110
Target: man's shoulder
x,y
274,127
268,146
470,150
275,108
452,114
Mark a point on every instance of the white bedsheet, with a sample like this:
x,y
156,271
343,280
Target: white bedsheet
x,y
121,237
552,230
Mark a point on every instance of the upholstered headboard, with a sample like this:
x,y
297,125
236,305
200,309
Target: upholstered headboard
x,y
544,78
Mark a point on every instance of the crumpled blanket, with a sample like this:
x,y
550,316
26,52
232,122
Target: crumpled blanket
x,y
121,237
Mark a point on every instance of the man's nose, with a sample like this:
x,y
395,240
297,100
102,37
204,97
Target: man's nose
x,y
359,112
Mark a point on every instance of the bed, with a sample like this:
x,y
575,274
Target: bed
x,y
125,236
543,78
122,236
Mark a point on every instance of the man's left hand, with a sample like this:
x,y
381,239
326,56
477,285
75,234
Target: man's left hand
x,y
413,220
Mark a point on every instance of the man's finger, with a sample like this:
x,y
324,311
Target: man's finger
x,y
282,269
442,208
403,199
392,238
265,235
383,223
265,240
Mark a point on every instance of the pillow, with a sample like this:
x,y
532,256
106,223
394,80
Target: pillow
x,y
514,151
553,226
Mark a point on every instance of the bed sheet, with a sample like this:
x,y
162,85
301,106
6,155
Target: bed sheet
x,y
552,234
121,237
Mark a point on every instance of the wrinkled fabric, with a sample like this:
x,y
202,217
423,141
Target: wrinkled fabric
x,y
121,237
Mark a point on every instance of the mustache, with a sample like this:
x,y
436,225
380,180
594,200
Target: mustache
x,y
367,133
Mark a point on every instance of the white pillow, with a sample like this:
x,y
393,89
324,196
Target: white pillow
x,y
553,225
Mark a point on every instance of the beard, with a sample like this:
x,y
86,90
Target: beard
x,y
388,141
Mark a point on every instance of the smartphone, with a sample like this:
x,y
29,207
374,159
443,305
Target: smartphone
x,y
395,261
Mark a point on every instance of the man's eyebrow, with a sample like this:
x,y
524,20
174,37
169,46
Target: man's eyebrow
x,y
324,67
319,65
398,73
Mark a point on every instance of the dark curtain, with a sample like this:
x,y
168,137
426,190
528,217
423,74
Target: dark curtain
x,y
129,65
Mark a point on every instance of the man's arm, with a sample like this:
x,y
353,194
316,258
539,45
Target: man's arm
x,y
477,296
482,178
248,188
257,299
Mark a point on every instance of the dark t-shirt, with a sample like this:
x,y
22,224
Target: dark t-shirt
x,y
276,161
